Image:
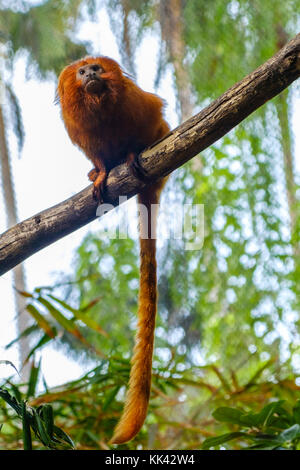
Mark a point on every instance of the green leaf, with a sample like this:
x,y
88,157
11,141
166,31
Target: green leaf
x,y
110,397
296,412
228,415
266,444
9,363
10,400
41,321
16,392
56,314
43,434
33,379
79,315
44,340
63,436
265,417
266,414
216,441
290,434
24,333
47,415
67,324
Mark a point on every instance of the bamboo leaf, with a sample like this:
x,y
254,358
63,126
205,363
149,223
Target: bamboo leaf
x,y
47,415
9,363
41,321
33,379
79,315
60,318
24,333
63,436
45,438
44,340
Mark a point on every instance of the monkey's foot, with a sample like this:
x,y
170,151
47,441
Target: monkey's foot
x,y
98,192
136,168
99,185
92,175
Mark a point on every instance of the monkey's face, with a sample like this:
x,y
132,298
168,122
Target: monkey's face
x,y
89,76
93,76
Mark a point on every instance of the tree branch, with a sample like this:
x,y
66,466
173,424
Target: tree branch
x,y
184,142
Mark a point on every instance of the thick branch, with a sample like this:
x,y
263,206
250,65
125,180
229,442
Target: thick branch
x,y
190,138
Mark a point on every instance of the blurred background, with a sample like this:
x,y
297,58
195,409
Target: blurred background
x,y
228,316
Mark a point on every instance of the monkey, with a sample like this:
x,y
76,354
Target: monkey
x,y
112,120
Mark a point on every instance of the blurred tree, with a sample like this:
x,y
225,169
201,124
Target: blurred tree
x,y
252,31
240,281
42,34
255,217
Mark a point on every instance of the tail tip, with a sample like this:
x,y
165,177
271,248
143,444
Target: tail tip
x,y
126,430
121,437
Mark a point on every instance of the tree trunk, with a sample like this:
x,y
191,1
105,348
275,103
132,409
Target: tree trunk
x,y
286,144
172,31
288,158
18,271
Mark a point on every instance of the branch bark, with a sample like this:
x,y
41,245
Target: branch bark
x,y
184,142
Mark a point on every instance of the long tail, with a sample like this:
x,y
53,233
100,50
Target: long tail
x,y
138,394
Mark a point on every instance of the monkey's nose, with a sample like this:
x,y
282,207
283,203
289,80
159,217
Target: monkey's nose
x,y
91,75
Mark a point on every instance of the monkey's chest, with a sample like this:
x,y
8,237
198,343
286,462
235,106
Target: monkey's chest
x,y
109,148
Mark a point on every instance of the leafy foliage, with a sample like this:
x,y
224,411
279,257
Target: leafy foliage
x,y
231,38
38,420
44,32
273,428
182,400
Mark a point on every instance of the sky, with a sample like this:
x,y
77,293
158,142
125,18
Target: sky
x,y
50,170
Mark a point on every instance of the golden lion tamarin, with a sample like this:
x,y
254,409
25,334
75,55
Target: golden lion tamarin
x,y
112,120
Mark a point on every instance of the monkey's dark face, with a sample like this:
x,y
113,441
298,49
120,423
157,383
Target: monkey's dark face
x,y
90,77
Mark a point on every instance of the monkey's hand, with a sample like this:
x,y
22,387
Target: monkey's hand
x,y
92,175
136,168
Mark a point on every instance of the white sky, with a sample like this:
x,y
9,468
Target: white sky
x,y
50,170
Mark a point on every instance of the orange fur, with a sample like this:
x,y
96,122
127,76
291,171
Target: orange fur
x,y
111,127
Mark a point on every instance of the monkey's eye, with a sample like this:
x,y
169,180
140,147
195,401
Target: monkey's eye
x,y
95,68
81,72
